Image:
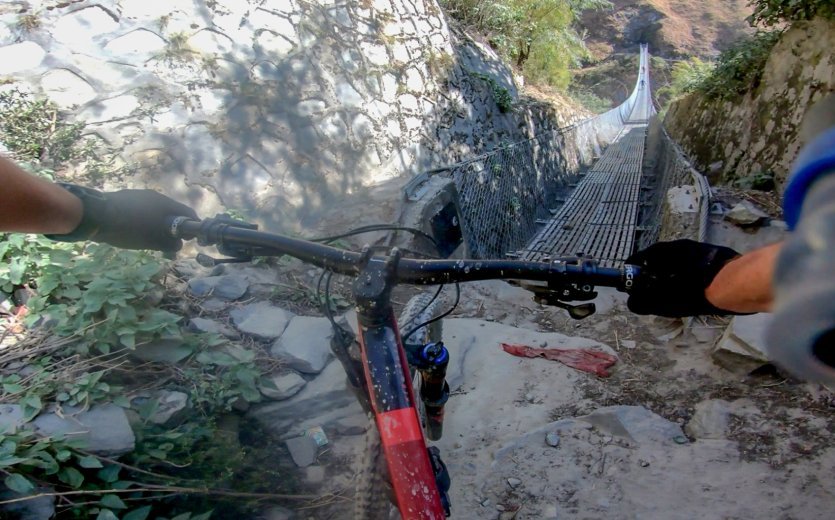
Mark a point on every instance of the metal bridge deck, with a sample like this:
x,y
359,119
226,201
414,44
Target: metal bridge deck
x,y
599,219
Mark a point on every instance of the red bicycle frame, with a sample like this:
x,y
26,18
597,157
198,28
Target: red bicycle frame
x,y
392,398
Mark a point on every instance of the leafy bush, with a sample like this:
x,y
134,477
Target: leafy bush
x,y
537,35
34,130
774,12
502,96
591,101
102,300
739,69
685,77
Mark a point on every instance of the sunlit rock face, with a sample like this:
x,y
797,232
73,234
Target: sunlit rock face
x,y
275,108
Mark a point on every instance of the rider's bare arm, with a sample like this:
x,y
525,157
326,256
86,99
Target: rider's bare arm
x,y
745,283
34,205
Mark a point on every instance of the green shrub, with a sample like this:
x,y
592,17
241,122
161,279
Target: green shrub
x,y
539,36
591,101
774,12
34,130
739,69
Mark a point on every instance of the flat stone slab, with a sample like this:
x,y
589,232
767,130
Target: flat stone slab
x,y
305,344
303,450
282,386
741,348
261,320
636,424
104,428
227,287
212,327
710,420
325,401
162,351
11,417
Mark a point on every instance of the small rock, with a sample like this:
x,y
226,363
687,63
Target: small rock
x,y
305,344
40,508
643,463
188,268
241,405
11,417
262,320
779,224
742,347
352,425
711,420
704,334
635,424
171,406
514,482
552,439
500,507
227,287
213,305
680,439
168,351
628,343
314,474
745,214
104,429
530,398
212,327
303,450
282,386
485,502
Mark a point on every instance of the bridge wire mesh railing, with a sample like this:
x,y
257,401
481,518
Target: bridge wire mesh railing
x,y
673,168
504,193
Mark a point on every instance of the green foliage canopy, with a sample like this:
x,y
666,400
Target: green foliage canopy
x,y
739,69
539,36
774,12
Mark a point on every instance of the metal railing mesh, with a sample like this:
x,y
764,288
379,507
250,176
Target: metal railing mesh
x,y
504,193
673,168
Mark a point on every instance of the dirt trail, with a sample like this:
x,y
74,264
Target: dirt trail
x,y
764,452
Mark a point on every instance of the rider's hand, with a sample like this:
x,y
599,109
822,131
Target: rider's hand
x,y
130,219
674,276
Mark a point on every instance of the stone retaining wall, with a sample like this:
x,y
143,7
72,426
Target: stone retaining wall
x,y
279,109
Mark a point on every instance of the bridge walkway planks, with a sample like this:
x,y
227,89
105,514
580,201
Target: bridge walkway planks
x,y
599,218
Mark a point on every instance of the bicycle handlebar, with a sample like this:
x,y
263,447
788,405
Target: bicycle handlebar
x,y
224,233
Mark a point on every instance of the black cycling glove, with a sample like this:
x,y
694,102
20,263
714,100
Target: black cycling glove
x,y
129,219
674,276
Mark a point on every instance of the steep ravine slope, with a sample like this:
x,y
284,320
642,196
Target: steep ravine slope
x,y
673,28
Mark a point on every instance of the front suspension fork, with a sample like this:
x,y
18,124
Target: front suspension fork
x,y
431,361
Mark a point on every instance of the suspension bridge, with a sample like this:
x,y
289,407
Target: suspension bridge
x,y
600,217
571,191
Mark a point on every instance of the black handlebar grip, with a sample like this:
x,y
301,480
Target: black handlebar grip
x,y
801,337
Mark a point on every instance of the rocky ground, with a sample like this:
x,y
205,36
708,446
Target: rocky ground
x,y
692,421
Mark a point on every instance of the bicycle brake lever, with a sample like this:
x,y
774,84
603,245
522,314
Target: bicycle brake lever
x,y
208,261
578,312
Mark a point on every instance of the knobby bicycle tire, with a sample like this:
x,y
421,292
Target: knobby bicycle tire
x,y
373,498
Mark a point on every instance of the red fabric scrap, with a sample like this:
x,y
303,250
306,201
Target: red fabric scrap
x,y
585,359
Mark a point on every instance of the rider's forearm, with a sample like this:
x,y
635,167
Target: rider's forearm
x,y
744,284
29,204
